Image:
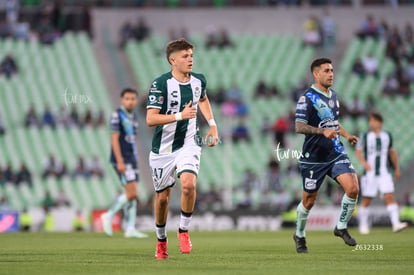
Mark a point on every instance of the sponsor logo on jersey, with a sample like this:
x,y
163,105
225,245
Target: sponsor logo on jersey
x,y
331,103
160,99
329,123
310,184
152,99
197,92
302,99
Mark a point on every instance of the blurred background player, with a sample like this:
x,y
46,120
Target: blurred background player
x,y
317,113
172,105
125,161
375,151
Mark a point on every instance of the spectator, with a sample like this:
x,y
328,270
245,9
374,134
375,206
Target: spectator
x,y
358,68
9,175
5,31
266,126
8,66
280,128
229,108
261,89
409,33
74,117
219,97
328,27
370,64
369,28
81,169
48,118
95,167
273,91
31,118
54,168
224,40
312,35
88,120
391,86
409,72
2,127
242,109
62,199
4,204
404,86
126,33
48,202
272,177
142,30
384,29
356,108
100,120
249,182
393,44
240,132
24,175
63,118
234,93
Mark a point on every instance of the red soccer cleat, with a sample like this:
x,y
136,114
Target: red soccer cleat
x,y
185,243
162,250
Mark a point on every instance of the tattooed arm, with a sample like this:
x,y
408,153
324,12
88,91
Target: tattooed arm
x,y
302,128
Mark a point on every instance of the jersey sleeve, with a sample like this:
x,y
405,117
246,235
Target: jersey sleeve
x,y
303,108
115,128
156,96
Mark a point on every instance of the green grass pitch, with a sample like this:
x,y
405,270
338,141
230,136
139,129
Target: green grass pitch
x,y
213,253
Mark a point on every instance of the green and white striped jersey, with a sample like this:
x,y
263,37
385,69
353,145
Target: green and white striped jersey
x,y
171,96
376,151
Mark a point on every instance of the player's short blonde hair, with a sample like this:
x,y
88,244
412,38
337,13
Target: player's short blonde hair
x,y
177,45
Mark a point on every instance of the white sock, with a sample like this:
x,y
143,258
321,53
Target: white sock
x,y
119,203
394,215
363,214
185,220
302,218
161,232
131,210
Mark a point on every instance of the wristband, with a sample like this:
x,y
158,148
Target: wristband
x,y
212,122
178,116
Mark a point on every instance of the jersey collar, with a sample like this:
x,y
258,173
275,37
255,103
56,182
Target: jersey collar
x,y
126,111
321,92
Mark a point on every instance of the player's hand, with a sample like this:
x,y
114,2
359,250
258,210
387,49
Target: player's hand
x,y
367,167
212,137
353,140
121,167
189,112
397,174
330,133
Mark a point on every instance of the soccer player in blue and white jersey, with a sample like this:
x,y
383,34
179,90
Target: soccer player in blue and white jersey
x,y
173,101
323,153
125,162
375,151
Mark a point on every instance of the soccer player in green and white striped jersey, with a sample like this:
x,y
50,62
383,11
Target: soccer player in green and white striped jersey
x,y
374,151
173,101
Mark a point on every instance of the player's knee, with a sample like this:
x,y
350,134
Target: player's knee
x,y
353,191
131,196
162,201
188,188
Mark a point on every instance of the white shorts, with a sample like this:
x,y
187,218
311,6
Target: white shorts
x,y
371,184
165,166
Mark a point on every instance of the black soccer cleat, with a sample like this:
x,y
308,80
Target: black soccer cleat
x,y
300,244
343,233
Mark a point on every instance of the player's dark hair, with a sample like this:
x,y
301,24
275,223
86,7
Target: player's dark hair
x,y
177,45
128,91
318,62
376,116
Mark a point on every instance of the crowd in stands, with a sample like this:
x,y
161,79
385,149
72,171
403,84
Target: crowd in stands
x,y
399,49
320,32
21,176
138,32
49,19
83,168
63,118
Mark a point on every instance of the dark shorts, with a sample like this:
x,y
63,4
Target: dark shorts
x,y
130,175
313,174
